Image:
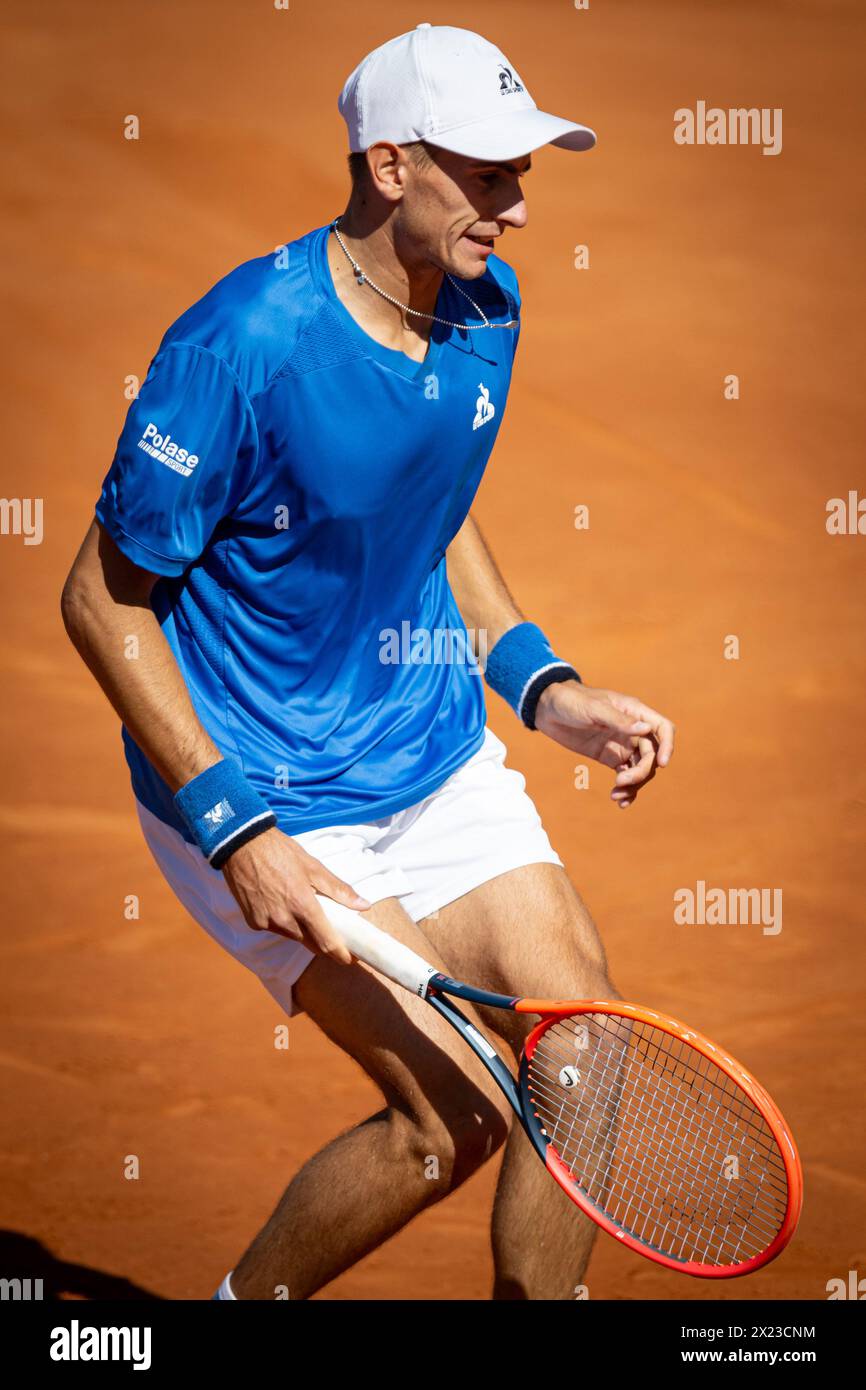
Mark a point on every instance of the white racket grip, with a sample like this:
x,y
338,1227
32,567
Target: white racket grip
x,y
376,948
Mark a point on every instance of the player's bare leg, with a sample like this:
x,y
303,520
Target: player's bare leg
x,y
365,1185
528,932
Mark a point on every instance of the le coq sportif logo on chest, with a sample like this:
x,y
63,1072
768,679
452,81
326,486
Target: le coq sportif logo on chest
x,y
167,450
484,408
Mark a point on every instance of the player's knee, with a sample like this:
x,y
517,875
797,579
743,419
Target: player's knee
x,y
476,1135
447,1148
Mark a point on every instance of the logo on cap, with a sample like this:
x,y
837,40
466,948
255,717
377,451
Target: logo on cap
x,y
507,81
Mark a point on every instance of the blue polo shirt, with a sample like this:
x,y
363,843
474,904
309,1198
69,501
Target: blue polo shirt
x,y
295,484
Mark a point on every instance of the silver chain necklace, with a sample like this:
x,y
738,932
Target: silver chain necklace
x,y
363,279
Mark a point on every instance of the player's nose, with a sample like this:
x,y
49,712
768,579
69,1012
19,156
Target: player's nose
x,y
515,216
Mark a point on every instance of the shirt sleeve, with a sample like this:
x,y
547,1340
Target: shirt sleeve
x,y
183,461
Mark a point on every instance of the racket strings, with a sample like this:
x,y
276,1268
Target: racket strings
x,y
639,1196
692,1119
659,1138
695,1196
635,1190
737,1095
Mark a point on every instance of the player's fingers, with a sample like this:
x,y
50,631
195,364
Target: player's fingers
x,y
642,768
620,796
665,735
624,800
325,882
662,730
616,754
319,934
621,727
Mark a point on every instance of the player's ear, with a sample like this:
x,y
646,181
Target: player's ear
x,y
389,167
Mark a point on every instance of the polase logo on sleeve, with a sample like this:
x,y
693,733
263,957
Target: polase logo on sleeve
x,y
167,450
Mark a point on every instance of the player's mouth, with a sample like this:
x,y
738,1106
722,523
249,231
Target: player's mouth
x,y
484,244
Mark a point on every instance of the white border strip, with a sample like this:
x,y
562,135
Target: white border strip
x,y
237,830
551,666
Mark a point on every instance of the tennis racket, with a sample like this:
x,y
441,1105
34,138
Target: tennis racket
x,y
657,1134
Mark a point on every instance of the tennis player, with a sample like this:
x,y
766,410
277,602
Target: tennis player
x,y
288,602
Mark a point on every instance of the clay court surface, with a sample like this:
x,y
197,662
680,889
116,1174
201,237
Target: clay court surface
x,y
707,519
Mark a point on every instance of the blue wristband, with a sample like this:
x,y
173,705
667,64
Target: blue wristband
x,y
521,665
223,811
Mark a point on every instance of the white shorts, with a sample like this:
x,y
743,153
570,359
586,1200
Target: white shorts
x,y
478,824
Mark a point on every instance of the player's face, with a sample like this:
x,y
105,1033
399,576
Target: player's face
x,y
458,207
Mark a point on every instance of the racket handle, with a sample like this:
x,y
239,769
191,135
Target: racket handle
x,y
376,948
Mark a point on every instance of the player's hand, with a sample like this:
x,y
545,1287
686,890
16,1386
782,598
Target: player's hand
x,y
275,883
616,730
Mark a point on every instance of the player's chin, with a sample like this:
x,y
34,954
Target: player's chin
x,y
470,256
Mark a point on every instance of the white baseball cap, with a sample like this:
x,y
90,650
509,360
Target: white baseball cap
x,y
453,89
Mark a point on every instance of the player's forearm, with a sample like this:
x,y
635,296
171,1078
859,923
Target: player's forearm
x,y
146,690
482,595
111,624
